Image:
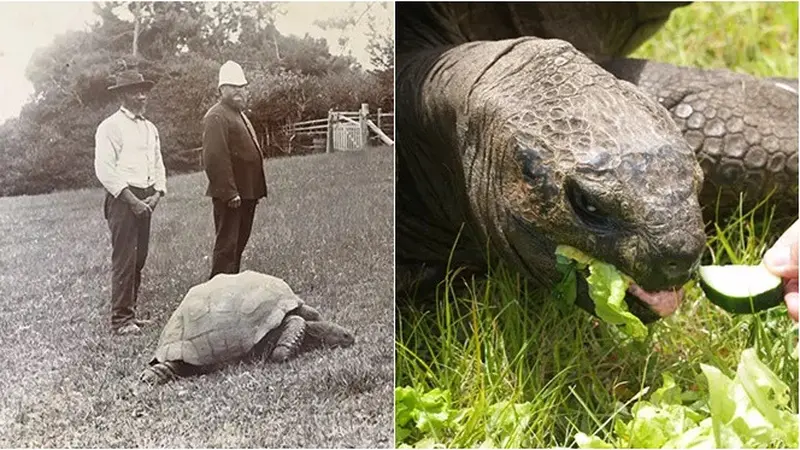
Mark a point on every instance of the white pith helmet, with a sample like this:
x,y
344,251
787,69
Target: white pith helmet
x,y
231,73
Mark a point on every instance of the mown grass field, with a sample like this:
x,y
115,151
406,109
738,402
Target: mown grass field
x,y
66,381
501,365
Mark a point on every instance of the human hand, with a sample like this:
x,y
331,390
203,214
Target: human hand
x,y
235,202
781,259
140,208
152,201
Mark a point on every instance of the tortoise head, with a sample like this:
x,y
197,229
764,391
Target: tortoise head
x,y
586,160
324,334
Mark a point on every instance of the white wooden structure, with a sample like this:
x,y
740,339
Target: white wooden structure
x,y
342,130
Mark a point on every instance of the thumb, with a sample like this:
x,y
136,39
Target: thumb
x,y
781,258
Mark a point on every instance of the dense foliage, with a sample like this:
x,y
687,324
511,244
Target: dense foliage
x,y
180,45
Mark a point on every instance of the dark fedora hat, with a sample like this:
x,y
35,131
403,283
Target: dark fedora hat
x,y
130,79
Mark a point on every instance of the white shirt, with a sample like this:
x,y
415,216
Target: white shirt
x,y
128,153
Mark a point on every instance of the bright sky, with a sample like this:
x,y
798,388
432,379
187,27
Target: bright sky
x,y
26,26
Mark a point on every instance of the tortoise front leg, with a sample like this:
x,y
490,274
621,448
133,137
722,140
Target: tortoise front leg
x,y
291,335
743,129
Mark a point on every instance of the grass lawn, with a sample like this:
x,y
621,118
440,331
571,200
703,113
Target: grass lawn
x,y
501,365
66,381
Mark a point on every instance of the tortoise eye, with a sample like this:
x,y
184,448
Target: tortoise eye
x,y
586,209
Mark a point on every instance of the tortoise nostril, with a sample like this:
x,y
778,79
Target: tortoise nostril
x,y
676,270
681,259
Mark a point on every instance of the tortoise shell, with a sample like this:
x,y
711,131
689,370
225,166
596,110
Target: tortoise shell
x,y
222,319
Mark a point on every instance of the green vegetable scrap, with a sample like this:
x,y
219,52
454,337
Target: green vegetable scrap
x,y
426,419
428,412
750,411
607,288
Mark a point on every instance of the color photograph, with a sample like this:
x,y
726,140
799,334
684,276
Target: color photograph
x,y
596,211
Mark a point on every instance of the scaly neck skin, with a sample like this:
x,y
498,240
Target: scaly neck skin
x,y
430,208
443,123
434,90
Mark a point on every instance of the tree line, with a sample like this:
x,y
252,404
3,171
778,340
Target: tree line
x,y
180,46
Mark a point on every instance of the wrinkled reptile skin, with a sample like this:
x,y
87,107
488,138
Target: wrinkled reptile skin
x,y
744,130
499,132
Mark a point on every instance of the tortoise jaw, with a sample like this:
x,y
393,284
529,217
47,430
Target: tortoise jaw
x,y
663,303
636,306
641,309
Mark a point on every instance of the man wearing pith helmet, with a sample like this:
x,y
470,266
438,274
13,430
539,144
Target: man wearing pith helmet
x,y
234,165
130,167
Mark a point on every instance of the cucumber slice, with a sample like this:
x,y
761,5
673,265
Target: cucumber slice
x,y
732,287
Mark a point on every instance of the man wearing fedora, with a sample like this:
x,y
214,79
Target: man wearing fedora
x,y
233,162
129,164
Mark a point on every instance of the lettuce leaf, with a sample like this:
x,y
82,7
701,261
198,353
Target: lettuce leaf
x,y
585,441
607,288
750,411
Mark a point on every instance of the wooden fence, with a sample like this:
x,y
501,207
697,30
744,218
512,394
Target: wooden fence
x,y
341,131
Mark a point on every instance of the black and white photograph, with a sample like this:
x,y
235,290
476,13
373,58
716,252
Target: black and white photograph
x,y
197,224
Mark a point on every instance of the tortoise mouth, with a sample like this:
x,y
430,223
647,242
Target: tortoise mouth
x,y
649,307
663,303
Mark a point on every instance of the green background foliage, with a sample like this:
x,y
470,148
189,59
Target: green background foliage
x,y
755,38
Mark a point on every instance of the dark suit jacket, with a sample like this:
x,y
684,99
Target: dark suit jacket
x,y
232,161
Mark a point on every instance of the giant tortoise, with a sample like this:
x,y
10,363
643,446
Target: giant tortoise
x,y
522,126
230,316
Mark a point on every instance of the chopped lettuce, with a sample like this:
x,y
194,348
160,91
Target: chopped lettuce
x,y
750,411
607,288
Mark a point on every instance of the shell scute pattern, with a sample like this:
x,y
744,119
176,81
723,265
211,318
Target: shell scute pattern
x,y
219,321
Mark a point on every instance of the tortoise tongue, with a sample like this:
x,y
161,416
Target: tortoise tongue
x,y
663,303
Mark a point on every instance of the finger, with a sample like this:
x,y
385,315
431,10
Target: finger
x,y
792,299
781,258
790,287
782,261
790,236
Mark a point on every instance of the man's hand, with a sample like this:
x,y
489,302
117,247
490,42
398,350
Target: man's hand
x,y
140,208
781,259
152,201
137,206
235,202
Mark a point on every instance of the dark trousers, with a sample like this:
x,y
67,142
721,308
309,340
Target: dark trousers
x,y
233,226
130,238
